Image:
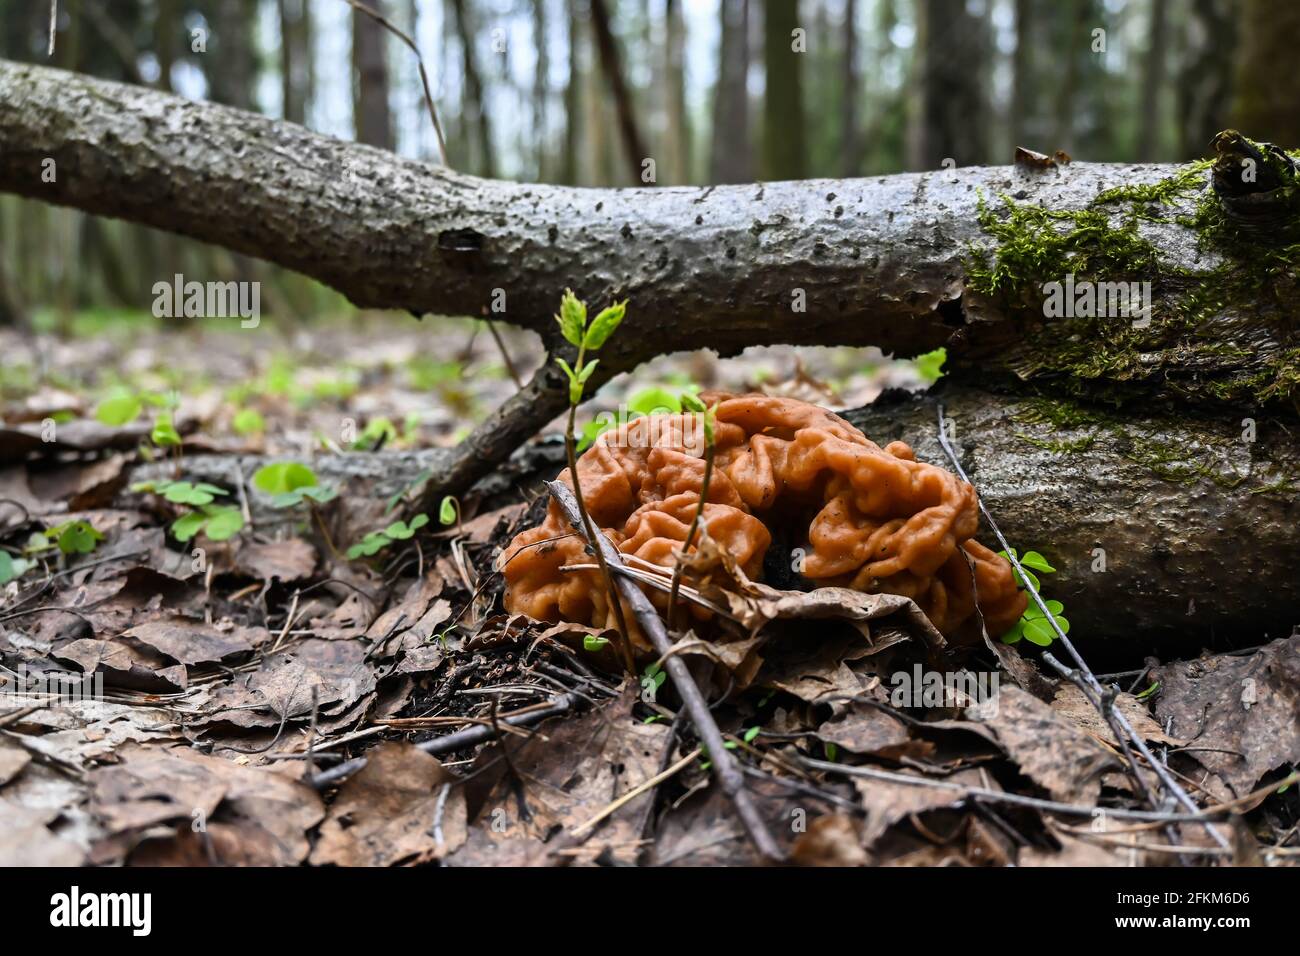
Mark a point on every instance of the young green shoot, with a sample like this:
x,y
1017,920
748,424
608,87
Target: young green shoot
x,y
292,483
586,337
1033,625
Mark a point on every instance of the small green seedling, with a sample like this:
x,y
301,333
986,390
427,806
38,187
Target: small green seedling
x,y
12,568
449,511
1034,626
217,522
585,336
181,492
930,365
248,421
290,483
594,643
74,537
376,541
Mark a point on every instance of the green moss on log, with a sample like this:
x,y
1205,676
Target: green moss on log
x,y
1197,344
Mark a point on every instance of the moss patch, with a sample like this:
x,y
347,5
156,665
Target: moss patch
x,y
1189,347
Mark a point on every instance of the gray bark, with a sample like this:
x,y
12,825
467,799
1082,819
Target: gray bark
x,y
879,261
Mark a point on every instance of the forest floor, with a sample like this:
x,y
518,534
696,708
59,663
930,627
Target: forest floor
x,y
194,658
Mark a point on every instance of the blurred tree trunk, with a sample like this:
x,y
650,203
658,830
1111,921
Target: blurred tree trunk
x,y
1268,84
167,33
729,161
1206,79
851,142
541,87
785,150
1067,83
572,100
634,149
229,64
477,103
1022,79
951,123
372,114
679,130
296,67
1153,81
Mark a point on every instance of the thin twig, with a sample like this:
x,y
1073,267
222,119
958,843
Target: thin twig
x,y
424,77
725,768
505,354
54,19
1108,711
457,741
636,792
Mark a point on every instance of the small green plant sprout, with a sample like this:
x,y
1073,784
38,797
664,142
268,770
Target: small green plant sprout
x,y
377,433
12,568
693,404
752,734
585,337
248,421
376,541
1149,692
1034,626
118,410
291,483
217,522
652,678
181,492
73,537
930,365
594,643
449,511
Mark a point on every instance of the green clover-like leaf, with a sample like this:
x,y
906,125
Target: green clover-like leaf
x,y
118,411
188,525
223,523
76,537
283,477
248,421
164,433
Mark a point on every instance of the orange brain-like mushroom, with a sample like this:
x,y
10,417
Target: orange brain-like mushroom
x,y
869,518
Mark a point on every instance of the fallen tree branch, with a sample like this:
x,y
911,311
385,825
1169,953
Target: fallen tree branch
x,y
884,261
725,769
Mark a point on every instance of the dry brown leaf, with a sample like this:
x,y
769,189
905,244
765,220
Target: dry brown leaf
x,y
1049,750
401,807
1239,715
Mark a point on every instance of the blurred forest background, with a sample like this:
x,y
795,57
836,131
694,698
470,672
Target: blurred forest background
x,y
581,91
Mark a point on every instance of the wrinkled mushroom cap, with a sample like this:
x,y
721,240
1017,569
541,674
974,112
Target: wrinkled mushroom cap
x,y
869,518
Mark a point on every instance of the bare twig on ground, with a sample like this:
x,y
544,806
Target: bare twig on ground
x,y
636,792
725,768
457,741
